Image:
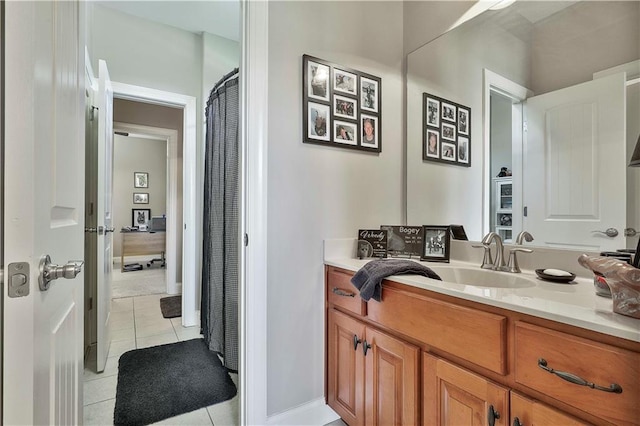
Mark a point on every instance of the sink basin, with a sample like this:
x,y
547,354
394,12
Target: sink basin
x,y
482,277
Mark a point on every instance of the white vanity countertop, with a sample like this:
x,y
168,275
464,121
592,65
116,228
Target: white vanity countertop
x,y
575,303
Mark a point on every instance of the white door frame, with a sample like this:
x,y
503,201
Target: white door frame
x,y
254,84
171,251
191,232
495,82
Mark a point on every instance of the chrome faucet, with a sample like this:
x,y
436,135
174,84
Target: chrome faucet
x,y
512,265
523,235
499,264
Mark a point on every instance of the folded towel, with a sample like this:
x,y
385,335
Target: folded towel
x,y
369,278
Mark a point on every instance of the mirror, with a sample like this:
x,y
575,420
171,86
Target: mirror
x,y
532,75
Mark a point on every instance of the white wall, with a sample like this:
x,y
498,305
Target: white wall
x,y
317,192
219,56
501,134
131,155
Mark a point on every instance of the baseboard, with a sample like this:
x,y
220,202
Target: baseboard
x,y
176,289
315,412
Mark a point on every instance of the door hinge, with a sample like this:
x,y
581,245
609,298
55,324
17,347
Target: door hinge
x,y
524,211
92,116
246,240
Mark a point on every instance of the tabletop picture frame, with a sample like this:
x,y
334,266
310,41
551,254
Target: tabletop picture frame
x,y
446,131
140,217
436,243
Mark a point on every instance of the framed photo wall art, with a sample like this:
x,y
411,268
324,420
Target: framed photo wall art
x,y
140,217
140,180
446,131
341,106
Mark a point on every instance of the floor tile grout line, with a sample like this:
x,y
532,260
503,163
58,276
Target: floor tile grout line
x,y
209,414
99,402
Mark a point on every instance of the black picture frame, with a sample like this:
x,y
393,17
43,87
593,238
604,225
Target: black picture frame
x,y
137,214
140,179
341,106
140,198
436,243
446,131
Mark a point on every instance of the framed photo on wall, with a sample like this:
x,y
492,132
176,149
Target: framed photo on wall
x,y
446,131
140,180
342,107
436,241
140,217
140,198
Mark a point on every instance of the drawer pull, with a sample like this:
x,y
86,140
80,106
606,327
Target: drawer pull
x,y
517,422
615,388
340,292
356,341
365,347
492,416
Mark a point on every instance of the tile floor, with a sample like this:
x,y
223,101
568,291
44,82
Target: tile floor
x,y
138,323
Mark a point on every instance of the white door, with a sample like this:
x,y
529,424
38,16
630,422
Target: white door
x,y
104,212
44,211
574,172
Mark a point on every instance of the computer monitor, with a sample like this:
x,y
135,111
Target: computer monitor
x,y
158,223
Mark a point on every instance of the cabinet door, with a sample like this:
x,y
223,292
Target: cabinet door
x,y
345,367
454,396
392,380
527,412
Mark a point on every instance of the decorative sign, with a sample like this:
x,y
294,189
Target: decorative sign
x,y
446,131
404,241
341,106
372,243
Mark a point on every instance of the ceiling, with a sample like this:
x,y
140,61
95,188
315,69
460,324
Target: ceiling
x,y
219,17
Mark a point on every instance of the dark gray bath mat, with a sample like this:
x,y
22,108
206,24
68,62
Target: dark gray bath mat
x,y
171,306
167,380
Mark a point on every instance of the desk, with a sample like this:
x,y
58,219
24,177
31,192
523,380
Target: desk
x,y
140,243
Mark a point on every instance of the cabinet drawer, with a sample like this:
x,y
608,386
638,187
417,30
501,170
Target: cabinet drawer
x,y
340,292
592,361
478,337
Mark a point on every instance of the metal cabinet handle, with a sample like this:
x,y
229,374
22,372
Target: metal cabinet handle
x,y
492,416
365,347
356,341
341,292
572,378
609,232
50,272
517,422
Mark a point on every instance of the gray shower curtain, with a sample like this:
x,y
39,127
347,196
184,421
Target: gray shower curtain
x,y
219,308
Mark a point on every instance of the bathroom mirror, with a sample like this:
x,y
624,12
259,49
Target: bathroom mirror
x,y
553,89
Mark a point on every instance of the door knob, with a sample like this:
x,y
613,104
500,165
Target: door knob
x,y
109,230
91,230
50,271
609,232
630,232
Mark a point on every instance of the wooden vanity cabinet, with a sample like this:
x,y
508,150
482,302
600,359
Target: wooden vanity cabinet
x,y
372,377
454,396
439,360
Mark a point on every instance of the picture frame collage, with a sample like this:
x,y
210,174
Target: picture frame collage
x,y
341,106
446,131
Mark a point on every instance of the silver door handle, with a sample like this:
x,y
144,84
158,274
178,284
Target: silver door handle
x,y
609,232
109,230
50,271
91,230
630,232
